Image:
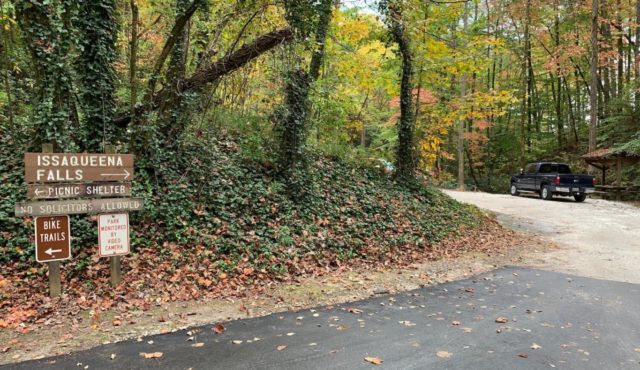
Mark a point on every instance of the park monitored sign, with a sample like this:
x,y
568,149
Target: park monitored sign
x,y
78,206
53,238
90,190
113,234
77,167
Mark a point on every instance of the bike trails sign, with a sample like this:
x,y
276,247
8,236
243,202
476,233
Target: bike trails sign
x,y
53,238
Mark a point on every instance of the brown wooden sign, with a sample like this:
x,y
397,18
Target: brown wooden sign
x,y
78,206
77,167
90,190
53,238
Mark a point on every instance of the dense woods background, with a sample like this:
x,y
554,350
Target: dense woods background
x,y
233,104
473,86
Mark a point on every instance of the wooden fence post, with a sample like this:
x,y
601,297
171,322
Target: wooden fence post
x,y
114,262
55,280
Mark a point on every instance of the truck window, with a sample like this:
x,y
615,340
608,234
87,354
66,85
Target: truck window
x,y
564,169
531,168
545,168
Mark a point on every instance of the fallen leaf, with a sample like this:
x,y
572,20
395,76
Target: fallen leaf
x,y
197,345
116,322
354,310
15,357
443,354
523,355
469,290
535,346
637,349
3,324
237,342
501,320
290,334
218,328
280,348
151,354
342,327
113,356
374,360
455,322
5,349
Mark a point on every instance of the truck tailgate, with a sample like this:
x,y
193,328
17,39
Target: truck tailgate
x,y
576,180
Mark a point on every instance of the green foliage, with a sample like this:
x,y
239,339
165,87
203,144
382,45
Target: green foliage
x,y
631,147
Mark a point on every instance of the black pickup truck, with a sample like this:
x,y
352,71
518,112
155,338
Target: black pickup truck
x,y
552,178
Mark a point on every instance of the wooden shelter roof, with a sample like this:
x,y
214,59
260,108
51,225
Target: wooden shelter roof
x,y
610,156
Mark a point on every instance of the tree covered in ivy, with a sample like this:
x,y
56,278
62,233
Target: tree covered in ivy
x,y
405,157
47,27
305,18
98,26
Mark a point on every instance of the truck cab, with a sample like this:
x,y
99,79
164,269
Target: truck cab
x,y
552,178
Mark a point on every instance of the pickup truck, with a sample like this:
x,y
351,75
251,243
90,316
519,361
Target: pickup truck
x,y
552,178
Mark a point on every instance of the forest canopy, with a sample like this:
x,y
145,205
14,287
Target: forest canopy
x,y
467,90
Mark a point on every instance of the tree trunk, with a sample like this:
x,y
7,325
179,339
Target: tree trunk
x,y
620,51
594,79
463,93
529,73
405,157
321,36
295,117
133,59
172,112
636,53
558,94
572,118
49,42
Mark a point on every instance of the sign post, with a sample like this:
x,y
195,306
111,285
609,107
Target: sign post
x,y
115,271
55,280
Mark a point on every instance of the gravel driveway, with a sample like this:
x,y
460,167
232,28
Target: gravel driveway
x,y
597,238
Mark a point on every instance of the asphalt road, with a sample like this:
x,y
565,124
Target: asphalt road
x,y
553,321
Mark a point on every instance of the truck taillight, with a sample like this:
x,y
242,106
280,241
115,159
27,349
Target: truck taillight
x,y
557,180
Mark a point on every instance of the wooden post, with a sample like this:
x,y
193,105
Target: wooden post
x,y
114,262
55,280
619,179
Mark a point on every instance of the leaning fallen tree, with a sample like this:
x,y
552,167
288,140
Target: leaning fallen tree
x,y
221,67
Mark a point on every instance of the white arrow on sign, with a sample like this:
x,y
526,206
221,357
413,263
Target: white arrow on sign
x,y
51,252
125,174
38,192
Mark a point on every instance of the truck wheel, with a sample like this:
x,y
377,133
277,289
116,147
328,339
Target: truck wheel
x,y
514,190
546,193
580,198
